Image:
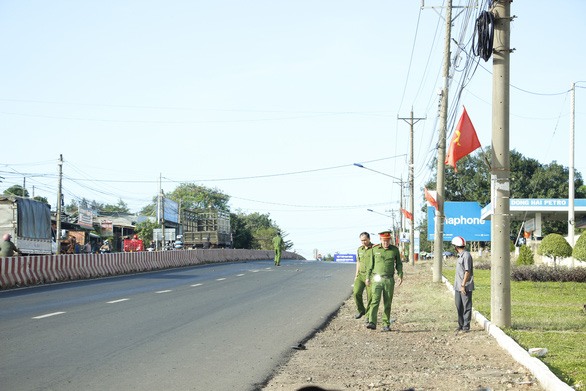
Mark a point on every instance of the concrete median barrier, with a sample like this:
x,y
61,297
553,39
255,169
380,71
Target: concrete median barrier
x,y
41,269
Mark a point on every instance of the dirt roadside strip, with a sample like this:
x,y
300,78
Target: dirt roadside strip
x,y
422,352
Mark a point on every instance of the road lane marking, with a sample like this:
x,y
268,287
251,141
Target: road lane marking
x,y
167,291
48,315
255,271
117,301
240,275
220,279
197,284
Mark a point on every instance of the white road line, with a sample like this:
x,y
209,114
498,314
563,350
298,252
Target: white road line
x,y
167,291
197,284
240,275
220,279
117,301
48,315
255,271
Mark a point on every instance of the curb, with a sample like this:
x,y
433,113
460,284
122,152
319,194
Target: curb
x,y
546,378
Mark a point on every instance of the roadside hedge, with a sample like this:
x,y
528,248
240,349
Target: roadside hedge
x,y
545,273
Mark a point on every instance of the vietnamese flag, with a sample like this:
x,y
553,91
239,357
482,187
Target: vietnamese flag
x,y
464,141
430,199
407,214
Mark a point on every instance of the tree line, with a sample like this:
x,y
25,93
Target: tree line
x,y
249,231
528,179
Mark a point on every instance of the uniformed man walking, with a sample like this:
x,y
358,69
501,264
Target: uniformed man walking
x,y
362,258
384,260
279,246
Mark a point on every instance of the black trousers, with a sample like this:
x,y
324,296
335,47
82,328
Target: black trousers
x,y
464,307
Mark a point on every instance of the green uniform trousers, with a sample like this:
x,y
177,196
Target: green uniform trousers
x,y
359,285
278,256
384,287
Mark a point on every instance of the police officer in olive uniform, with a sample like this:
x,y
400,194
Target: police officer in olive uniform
x,y
279,246
384,260
362,259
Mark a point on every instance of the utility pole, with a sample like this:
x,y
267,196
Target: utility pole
x,y
411,121
571,219
162,215
438,240
59,201
500,173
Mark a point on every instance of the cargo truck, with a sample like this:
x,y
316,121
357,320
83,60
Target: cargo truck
x,y
206,228
29,223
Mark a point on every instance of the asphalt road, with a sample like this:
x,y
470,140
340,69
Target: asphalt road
x,y
211,327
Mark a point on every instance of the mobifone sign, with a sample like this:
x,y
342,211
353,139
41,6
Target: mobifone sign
x,y
462,219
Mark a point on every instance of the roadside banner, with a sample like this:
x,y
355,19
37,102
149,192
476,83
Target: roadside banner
x,y
462,219
344,257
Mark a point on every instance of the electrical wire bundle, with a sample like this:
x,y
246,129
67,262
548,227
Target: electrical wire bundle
x,y
484,35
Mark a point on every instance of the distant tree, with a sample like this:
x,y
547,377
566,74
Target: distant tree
x,y
144,230
554,246
120,207
42,199
579,251
241,235
525,256
16,190
195,197
255,231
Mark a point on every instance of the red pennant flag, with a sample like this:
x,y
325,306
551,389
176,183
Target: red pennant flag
x,y
407,214
464,141
430,199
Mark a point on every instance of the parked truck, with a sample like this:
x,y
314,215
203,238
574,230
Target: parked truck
x,y
206,228
29,223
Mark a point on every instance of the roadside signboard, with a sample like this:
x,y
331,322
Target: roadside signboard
x,y
461,219
344,257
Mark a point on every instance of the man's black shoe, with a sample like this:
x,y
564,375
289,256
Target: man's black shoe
x,y
386,328
458,329
358,316
371,326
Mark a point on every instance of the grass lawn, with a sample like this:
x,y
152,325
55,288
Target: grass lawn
x,y
543,314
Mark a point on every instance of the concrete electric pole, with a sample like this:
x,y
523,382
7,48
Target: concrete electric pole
x,y
411,121
571,189
438,240
500,173
59,201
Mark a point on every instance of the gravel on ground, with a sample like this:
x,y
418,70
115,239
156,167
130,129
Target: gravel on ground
x,y
421,352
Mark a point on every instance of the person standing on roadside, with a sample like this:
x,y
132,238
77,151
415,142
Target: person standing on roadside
x,y
362,259
7,248
463,284
384,260
279,246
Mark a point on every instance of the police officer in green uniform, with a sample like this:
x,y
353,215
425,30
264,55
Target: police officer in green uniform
x,y
279,246
362,258
384,259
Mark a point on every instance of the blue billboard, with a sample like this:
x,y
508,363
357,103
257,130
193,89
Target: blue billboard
x,y
344,257
462,219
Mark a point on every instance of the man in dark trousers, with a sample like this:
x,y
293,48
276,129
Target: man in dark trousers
x,y
463,284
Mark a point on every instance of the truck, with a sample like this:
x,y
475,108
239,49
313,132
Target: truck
x,y
206,228
29,223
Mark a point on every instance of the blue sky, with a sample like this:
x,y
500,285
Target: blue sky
x,y
210,91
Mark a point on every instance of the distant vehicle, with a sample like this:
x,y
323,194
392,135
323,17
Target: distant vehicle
x,y
29,223
206,228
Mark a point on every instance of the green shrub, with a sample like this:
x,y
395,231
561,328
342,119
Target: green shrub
x,y
525,256
580,248
545,273
555,246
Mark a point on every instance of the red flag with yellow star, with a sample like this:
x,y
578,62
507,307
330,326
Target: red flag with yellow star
x,y
464,141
